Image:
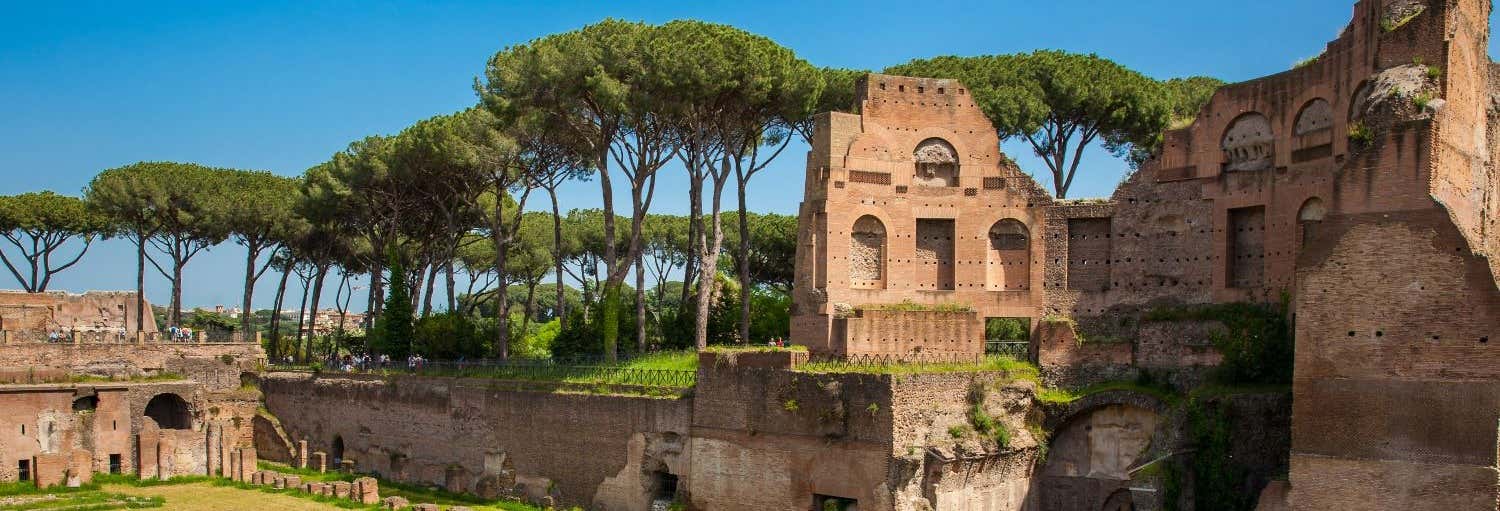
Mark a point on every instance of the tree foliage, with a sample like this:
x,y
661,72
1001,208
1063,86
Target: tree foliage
x,y
1058,102
39,225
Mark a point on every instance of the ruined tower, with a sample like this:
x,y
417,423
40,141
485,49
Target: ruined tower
x,y
914,227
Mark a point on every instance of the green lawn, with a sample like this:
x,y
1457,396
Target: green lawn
x,y
113,492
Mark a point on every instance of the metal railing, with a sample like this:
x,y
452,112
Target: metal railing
x,y
544,370
1021,350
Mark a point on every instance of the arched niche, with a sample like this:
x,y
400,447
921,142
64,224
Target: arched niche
x,y
1249,144
337,450
936,164
86,404
867,249
1009,262
1316,117
1308,217
170,411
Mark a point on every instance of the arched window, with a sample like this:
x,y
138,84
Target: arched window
x,y
1248,144
937,164
337,452
169,411
86,404
1009,264
1315,117
1308,218
867,253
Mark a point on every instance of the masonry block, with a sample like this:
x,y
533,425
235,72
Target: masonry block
x,y
366,490
50,469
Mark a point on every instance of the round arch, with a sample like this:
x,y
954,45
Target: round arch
x,y
1248,143
336,452
170,411
1308,217
1008,267
937,163
867,253
1316,116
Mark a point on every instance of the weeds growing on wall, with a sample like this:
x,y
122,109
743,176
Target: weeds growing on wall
x,y
1217,481
984,424
1256,340
1360,135
910,306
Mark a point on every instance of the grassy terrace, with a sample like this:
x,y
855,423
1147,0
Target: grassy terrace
x,y
662,374
1015,369
196,493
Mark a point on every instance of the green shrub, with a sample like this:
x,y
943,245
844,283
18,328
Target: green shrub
x,y
1421,100
1360,135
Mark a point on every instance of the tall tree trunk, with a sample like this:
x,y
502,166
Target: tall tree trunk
x,y
301,320
640,303
432,275
377,291
312,313
140,284
561,310
452,285
709,247
251,254
744,266
276,315
530,307
176,312
416,289
690,268
502,302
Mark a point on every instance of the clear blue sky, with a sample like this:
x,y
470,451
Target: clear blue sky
x,y
280,86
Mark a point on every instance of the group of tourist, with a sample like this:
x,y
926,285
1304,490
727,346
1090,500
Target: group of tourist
x,y
179,333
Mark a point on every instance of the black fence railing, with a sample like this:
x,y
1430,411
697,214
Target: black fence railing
x,y
1020,350
545,370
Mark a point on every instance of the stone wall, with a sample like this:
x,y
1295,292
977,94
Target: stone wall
x,y
56,311
467,435
778,439
218,366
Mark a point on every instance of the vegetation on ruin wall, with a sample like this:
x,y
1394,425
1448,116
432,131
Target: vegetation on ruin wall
x,y
910,306
1011,367
1256,341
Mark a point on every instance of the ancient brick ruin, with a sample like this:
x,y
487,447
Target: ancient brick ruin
x,y
1373,214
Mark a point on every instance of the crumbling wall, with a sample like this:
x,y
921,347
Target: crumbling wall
x,y
479,437
56,311
217,366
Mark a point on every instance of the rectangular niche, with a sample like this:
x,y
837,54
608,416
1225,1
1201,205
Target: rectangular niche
x,y
933,266
1246,254
1088,253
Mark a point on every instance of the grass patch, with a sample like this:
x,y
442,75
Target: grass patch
x,y
88,378
669,361
1061,396
1013,368
910,306
414,493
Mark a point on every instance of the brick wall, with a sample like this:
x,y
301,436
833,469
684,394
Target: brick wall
x,y
466,435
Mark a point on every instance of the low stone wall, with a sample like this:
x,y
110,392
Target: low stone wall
x,y
473,435
215,365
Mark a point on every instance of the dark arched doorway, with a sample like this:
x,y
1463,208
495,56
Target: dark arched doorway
x,y
170,411
337,452
1119,501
